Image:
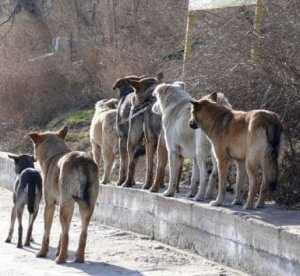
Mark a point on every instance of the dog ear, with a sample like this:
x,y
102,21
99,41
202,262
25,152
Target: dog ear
x,y
213,96
13,156
36,138
62,133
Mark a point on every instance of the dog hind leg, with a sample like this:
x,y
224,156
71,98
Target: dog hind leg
x,y
108,158
85,214
65,217
20,210
162,160
240,180
32,218
175,163
48,219
12,224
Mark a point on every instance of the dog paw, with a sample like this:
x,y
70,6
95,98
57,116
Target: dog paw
x,y
199,197
146,186
41,254
8,240
168,193
154,189
127,184
79,260
216,203
259,205
27,243
60,260
19,245
248,206
190,194
236,202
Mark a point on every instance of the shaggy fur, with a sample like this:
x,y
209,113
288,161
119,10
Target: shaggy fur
x,y
137,123
174,104
69,177
27,191
103,135
252,139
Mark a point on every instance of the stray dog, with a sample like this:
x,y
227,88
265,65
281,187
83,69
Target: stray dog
x,y
27,191
252,139
123,112
103,135
69,177
143,124
174,104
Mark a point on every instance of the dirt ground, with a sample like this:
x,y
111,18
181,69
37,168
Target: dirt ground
x,y
110,252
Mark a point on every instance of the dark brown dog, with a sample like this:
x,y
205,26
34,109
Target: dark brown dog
x,y
137,123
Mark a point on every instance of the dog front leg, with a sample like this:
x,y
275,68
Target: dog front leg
x,y
150,151
252,185
222,170
48,219
162,160
195,178
241,177
213,179
175,163
123,160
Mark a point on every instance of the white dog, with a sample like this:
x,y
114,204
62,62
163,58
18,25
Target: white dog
x,y
182,142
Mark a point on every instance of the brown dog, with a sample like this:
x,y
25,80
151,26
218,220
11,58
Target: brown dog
x,y
252,139
103,135
137,123
68,177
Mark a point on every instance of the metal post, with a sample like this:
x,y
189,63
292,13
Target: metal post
x,y
259,13
191,20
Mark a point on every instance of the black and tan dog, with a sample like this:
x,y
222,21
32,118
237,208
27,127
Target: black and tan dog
x,y
69,177
27,191
137,123
252,139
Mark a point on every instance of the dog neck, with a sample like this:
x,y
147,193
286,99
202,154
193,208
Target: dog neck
x,y
213,119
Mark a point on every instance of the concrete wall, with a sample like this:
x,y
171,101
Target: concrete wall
x,y
259,242
7,172
265,242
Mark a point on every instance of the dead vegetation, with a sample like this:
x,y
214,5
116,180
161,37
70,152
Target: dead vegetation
x,y
62,55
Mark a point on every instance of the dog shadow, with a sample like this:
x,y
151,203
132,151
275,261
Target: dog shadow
x,y
102,268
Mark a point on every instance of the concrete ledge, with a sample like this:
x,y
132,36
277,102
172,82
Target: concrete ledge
x,y
265,242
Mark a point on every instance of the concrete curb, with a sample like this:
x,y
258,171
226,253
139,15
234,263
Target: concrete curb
x,y
258,242
265,242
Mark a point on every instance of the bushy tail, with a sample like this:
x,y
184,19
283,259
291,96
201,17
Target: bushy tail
x,y
89,187
31,197
274,136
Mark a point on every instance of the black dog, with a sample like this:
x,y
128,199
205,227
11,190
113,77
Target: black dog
x,y
27,191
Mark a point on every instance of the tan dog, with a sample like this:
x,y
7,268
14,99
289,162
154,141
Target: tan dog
x,y
68,177
103,135
252,139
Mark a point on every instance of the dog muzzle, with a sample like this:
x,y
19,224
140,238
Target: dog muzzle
x,y
193,124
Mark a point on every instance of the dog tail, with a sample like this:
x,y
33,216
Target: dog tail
x,y
274,133
31,197
88,187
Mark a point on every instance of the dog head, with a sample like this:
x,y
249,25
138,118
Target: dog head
x,y
124,86
144,87
197,112
106,104
48,144
22,162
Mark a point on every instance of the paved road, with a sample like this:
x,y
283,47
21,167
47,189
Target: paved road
x,y
110,252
